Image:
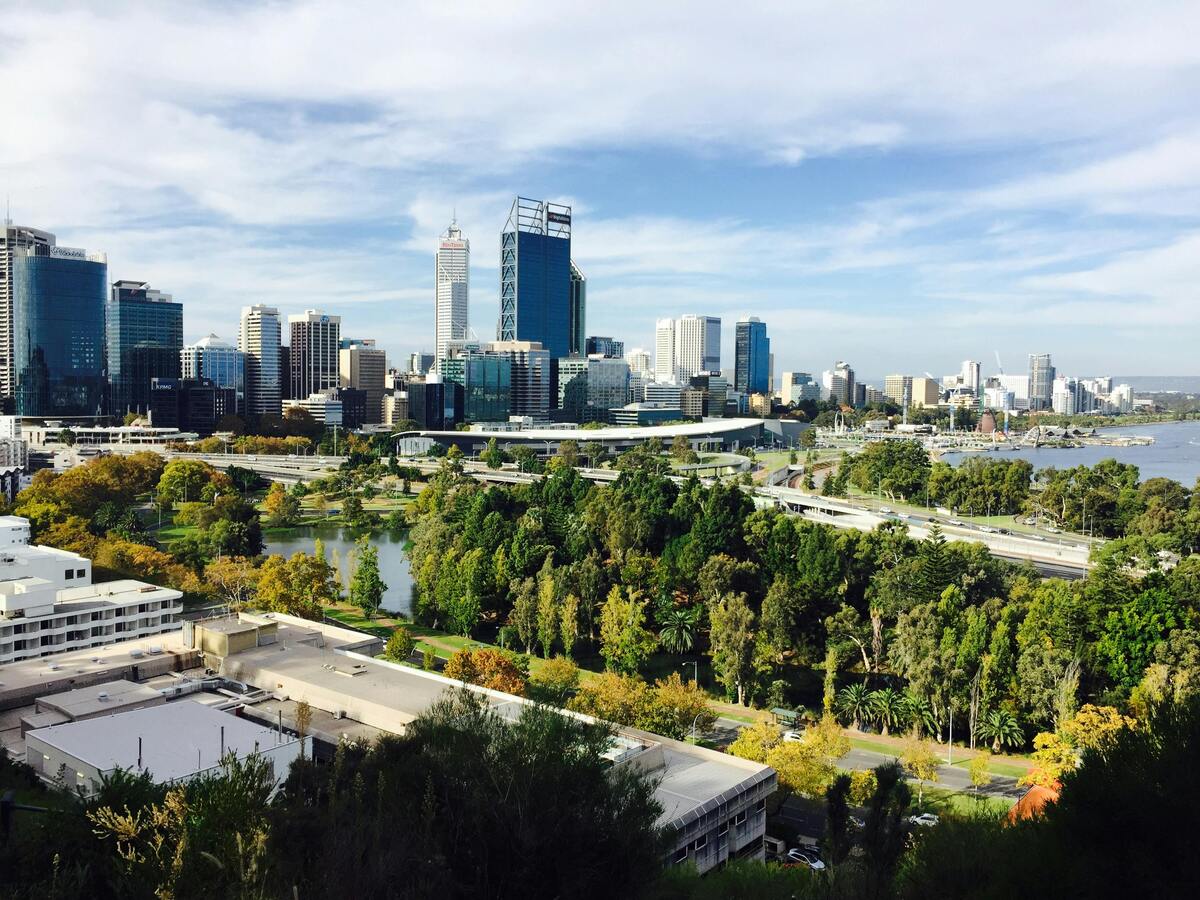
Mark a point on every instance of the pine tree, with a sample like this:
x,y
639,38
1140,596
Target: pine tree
x,y
366,587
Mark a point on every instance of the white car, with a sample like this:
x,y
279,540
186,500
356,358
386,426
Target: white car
x,y
904,515
792,736
886,510
959,522
925,820
806,857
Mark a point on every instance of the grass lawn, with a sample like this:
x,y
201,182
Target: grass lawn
x,y
875,746
944,802
996,768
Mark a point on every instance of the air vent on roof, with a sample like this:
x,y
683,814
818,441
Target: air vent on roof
x,y
102,696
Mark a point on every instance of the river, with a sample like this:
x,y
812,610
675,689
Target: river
x,y
340,546
1174,454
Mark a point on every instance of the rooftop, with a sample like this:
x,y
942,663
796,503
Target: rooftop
x,y
82,703
686,429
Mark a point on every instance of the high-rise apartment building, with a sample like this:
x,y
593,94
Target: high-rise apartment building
x,y
451,304
839,384
145,338
217,361
969,378
259,339
796,387
1041,381
535,276
697,345
752,352
664,351
576,340
13,238
363,366
898,389
316,340
59,295
639,362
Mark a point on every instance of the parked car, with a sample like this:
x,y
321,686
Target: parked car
x,y
792,736
924,820
806,857
856,822
886,510
987,529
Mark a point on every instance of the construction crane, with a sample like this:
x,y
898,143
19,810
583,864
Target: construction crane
x,y
999,365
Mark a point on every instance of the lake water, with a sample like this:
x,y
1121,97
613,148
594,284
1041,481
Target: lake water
x,y
340,547
1174,454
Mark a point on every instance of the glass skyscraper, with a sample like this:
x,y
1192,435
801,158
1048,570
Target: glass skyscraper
x,y
220,362
535,276
58,343
752,366
145,337
486,379
578,311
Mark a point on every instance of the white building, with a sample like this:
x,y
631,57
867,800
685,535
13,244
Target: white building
x,y
838,384
664,350
14,450
259,338
796,387
639,362
316,341
1018,386
48,603
998,398
969,378
320,405
1120,399
697,346
452,293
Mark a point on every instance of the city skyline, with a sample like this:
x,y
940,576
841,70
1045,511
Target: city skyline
x,y
913,211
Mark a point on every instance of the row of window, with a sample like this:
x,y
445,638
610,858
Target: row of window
x,y
699,846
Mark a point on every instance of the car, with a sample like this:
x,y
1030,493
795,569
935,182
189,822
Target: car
x,y
1053,530
987,529
1004,530
904,515
924,820
792,736
886,510
806,857
856,822
1037,537
959,522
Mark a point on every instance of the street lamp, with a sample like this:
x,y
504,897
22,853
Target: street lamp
x,y
694,721
695,669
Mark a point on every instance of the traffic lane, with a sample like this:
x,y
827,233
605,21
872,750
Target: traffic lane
x,y
953,778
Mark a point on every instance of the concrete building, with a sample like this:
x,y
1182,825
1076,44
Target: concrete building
x,y
796,387
452,293
639,362
839,385
259,338
1041,381
697,345
898,389
604,346
641,414
316,340
363,366
420,363
589,386
1018,386
665,368
13,238
969,376
435,403
926,392
190,404
14,449
660,394
218,361
324,406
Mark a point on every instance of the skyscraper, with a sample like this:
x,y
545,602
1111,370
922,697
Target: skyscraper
x,y
530,377
839,384
697,345
58,345
315,341
578,311
535,276
664,350
970,375
12,238
451,304
639,362
259,339
145,337
1041,381
751,369
363,366
218,361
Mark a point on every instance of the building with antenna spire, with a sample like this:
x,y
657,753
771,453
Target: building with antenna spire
x,y
452,297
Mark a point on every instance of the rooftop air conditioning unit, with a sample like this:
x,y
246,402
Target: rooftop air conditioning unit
x,y
102,696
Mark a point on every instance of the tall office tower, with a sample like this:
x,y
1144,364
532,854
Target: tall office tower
x,y
218,361
1041,381
451,305
535,276
605,346
58,345
363,366
12,239
145,338
665,368
578,311
530,377
259,339
639,362
898,389
752,350
697,345
316,339
419,363
970,375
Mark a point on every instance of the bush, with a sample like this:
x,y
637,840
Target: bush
x,y
428,658
400,645
486,667
556,679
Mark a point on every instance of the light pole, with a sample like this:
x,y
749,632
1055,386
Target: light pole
x,y
695,670
694,721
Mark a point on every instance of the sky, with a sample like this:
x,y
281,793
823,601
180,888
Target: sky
x,y
902,186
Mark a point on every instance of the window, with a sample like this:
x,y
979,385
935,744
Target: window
x,y
680,855
723,830
79,573
69,574
739,819
760,805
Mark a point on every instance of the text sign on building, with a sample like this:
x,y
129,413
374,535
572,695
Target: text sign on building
x,y
559,218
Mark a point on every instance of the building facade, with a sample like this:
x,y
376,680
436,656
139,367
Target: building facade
x,y
315,342
145,338
13,238
486,380
752,368
218,361
535,276
697,346
452,265
190,404
898,389
435,404
665,369
532,377
259,342
606,347
363,366
590,386
576,340
59,297
1041,381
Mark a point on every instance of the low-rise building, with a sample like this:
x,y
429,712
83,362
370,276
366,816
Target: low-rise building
x,y
322,406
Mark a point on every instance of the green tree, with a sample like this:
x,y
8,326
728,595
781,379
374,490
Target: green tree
x,y
524,614
854,704
733,645
888,708
400,645
1001,728
679,625
183,480
625,642
921,763
366,587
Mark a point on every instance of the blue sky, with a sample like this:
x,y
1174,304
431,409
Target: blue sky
x,y
899,187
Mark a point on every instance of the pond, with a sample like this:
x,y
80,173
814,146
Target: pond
x,y
340,549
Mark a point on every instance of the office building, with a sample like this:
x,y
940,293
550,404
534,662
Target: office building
x,y
59,295
639,362
532,377
925,392
486,380
606,347
576,341
998,398
697,346
705,395
796,387
259,342
363,366
324,406
589,386
839,384
420,363
435,404
1018,386
643,414
535,276
665,369
898,389
969,377
218,361
285,372
752,352
1041,381
145,339
315,341
354,406
395,407
662,394
13,238
190,404
453,291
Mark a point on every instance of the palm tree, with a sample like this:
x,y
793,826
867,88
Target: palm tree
x,y
888,708
854,703
1000,727
919,711
678,632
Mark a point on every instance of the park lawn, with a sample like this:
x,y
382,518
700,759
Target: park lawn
x,y
876,746
997,768
168,534
946,802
